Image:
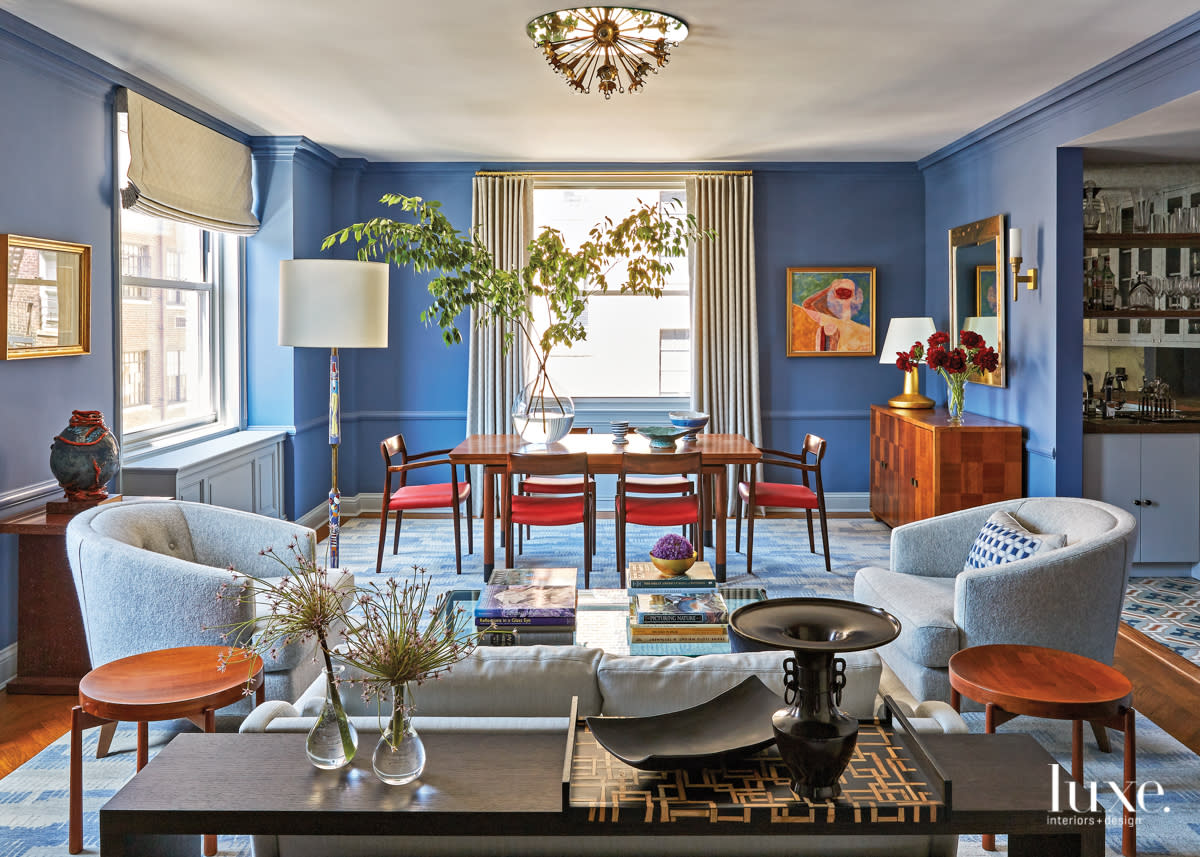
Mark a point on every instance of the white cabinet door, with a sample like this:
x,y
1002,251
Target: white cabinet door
x,y
1112,473
1170,523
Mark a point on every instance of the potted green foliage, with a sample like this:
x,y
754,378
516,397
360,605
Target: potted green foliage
x,y
560,278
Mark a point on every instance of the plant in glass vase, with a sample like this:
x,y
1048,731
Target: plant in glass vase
x,y
968,361
303,604
631,256
397,640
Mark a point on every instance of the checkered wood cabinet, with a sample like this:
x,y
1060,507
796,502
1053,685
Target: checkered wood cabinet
x,y
921,467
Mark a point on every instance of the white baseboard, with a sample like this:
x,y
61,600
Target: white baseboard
x,y
848,503
8,664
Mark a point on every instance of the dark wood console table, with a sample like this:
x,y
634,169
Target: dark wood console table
x,y
490,784
52,651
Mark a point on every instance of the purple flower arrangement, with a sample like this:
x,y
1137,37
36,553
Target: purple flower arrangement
x,y
672,547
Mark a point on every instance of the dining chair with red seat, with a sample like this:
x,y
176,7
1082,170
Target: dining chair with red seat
x,y
784,494
633,507
557,485
406,498
548,510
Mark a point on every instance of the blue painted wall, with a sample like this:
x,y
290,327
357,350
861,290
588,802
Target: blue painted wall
x,y
805,214
1015,166
834,214
56,175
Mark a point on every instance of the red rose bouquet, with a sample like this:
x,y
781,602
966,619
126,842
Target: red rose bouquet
x,y
972,358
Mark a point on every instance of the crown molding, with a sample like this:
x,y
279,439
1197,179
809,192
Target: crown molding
x,y
92,75
1160,55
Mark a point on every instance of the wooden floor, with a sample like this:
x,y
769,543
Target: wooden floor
x,y
28,724
1166,686
1166,689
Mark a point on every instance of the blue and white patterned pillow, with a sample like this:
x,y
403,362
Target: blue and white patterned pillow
x,y
1004,539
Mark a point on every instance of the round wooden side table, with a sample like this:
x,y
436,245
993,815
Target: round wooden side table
x,y
1012,680
190,682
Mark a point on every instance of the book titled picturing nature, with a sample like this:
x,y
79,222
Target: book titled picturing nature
x,y
675,608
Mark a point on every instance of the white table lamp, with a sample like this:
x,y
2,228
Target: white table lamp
x,y
901,334
333,303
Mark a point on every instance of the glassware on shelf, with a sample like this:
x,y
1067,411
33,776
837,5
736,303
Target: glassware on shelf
x,y
1141,210
1174,296
1141,295
1093,207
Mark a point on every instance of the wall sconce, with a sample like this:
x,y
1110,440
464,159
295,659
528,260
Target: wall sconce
x,y
1014,260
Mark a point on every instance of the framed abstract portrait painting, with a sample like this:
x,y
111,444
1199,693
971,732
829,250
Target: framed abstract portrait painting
x,y
831,312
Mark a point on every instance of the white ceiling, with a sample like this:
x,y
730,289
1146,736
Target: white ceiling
x,y
450,80
1168,133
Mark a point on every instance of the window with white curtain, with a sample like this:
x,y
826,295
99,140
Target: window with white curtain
x,y
179,324
636,347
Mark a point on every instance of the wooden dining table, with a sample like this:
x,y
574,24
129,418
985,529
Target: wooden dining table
x,y
716,452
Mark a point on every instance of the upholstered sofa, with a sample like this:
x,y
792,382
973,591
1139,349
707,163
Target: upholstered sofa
x,y
530,688
1068,598
148,573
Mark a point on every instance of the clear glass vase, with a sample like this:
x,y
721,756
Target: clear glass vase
x,y
543,413
955,393
400,755
333,740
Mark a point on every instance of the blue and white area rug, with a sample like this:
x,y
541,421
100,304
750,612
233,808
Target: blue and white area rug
x,y
1166,609
33,799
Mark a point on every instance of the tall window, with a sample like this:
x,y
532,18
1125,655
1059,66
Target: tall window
x,y
627,335
172,284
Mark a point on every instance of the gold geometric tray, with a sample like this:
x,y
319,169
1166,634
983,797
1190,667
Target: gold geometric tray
x,y
883,782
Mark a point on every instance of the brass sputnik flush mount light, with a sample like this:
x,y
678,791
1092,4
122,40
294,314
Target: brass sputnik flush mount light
x,y
613,45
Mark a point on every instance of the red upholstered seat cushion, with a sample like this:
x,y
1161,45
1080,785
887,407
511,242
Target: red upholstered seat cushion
x,y
660,511
554,484
779,494
657,484
547,511
428,496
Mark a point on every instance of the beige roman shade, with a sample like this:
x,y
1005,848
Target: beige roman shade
x,y
181,170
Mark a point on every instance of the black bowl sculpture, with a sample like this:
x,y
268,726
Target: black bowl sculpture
x,y
815,739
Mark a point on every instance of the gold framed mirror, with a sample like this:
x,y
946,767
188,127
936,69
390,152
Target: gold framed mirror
x,y
977,288
47,312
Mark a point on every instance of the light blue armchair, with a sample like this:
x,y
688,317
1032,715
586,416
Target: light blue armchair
x,y
147,574
1068,599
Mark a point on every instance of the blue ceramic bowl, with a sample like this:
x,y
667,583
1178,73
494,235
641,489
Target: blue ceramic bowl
x,y
662,437
692,421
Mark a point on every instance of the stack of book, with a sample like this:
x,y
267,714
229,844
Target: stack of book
x,y
528,606
683,609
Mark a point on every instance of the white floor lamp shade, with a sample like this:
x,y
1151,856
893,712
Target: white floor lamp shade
x,y
333,303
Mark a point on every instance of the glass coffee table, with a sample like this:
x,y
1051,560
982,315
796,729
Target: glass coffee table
x,y
602,620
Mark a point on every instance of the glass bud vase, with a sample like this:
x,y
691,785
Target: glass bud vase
x,y
333,740
956,392
400,755
543,413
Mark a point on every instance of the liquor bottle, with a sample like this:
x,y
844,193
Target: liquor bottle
x,y
1092,285
1109,280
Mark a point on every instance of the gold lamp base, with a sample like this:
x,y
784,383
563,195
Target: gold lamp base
x,y
911,397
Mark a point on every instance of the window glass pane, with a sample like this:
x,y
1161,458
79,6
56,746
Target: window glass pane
x,y
636,347
171,379
161,249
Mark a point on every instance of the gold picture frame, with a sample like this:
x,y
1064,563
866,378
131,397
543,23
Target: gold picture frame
x,y
831,312
47,309
987,292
